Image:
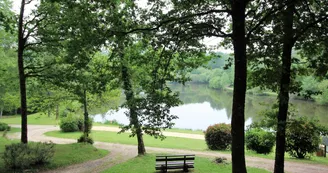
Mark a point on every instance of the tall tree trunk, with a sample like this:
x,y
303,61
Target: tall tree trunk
x,y
49,106
239,91
129,94
1,111
86,114
57,111
22,78
288,43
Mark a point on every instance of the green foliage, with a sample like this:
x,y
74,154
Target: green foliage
x,y
69,124
217,77
85,139
4,127
259,140
218,136
323,97
302,137
72,123
215,83
23,156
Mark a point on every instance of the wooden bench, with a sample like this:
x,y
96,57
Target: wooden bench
x,y
184,162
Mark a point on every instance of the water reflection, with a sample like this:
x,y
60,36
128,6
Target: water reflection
x,y
204,106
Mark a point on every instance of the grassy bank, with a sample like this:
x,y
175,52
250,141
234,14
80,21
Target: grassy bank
x,y
146,164
64,154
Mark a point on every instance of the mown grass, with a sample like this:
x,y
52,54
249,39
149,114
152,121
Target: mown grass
x,y
123,138
146,164
175,143
65,154
34,119
43,119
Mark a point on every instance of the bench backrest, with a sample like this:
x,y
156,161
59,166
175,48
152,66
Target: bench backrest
x,y
175,157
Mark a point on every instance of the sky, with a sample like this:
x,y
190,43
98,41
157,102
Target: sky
x,y
209,41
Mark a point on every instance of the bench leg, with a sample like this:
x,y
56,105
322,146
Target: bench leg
x,y
185,169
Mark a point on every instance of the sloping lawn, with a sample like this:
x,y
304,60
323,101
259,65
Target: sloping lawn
x,y
146,164
64,154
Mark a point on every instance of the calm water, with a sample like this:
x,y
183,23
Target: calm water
x,y
203,106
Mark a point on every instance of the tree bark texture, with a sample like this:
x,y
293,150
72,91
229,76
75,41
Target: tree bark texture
x,y
22,77
86,114
283,97
239,92
129,94
57,111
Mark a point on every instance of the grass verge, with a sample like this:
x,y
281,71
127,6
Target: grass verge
x,y
146,164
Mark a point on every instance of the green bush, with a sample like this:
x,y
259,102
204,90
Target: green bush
x,y
218,136
74,124
259,140
69,124
302,137
23,156
85,139
4,127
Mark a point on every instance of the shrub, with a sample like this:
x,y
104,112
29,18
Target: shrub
x,y
69,124
259,140
302,137
4,127
22,156
218,136
85,139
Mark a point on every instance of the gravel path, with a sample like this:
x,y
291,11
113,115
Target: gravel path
x,y
120,153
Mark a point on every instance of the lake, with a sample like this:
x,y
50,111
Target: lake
x,y
203,106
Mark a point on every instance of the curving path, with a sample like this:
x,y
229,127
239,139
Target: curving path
x,y
120,153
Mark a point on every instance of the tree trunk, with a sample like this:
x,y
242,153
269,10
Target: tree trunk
x,y
239,91
129,94
283,98
1,111
57,111
86,114
22,78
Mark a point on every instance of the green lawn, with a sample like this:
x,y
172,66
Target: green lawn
x,y
113,137
64,154
43,119
172,142
35,119
146,164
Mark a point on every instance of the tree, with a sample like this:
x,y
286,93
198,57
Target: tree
x,y
28,42
275,52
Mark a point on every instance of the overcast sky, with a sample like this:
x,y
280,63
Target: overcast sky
x,y
212,41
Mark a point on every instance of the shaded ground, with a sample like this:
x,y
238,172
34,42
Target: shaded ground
x,y
120,153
